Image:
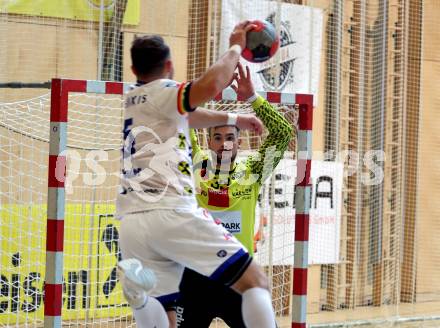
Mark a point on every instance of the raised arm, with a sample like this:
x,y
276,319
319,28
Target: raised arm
x,y
197,154
220,74
280,130
275,144
194,143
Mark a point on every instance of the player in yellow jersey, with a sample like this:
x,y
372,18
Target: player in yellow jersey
x,y
229,191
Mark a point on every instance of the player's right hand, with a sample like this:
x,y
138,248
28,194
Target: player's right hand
x,y
249,122
238,35
244,88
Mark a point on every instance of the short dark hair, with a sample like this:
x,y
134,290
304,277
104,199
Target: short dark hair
x,y
212,128
149,54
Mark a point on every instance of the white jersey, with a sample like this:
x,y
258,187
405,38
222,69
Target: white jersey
x,y
174,240
156,157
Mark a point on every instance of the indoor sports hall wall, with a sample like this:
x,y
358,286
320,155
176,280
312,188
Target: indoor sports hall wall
x,y
387,58
428,178
38,48
372,96
378,90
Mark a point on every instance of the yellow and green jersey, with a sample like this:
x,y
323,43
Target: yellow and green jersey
x,y
231,197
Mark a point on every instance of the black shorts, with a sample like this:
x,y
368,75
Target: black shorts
x,y
203,299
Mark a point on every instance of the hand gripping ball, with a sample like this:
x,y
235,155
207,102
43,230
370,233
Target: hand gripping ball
x,y
262,42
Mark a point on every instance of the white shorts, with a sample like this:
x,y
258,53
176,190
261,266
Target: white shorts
x,y
167,241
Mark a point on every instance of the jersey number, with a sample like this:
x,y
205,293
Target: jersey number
x,y
128,149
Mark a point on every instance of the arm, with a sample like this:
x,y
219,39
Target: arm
x,y
204,118
194,143
275,144
197,154
220,75
280,131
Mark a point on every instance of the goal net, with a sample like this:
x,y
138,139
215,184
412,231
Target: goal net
x,y
90,292
72,222
377,91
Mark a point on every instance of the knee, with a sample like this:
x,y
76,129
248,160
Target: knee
x,y
261,280
172,318
252,277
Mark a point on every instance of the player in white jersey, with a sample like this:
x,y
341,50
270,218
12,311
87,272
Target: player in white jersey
x,y
162,230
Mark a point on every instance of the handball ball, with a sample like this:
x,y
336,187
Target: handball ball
x,y
262,42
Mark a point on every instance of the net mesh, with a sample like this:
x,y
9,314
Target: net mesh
x,y
375,55
356,99
92,294
377,91
373,95
23,183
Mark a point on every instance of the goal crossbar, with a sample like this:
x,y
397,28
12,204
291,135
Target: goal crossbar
x,y
60,89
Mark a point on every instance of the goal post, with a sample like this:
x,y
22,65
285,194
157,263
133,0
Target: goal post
x,y
302,200
59,109
58,172
302,193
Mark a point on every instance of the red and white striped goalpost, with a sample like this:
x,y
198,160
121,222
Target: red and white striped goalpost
x,y
302,194
302,200
60,90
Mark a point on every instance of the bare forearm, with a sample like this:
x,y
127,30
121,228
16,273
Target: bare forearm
x,y
204,118
221,73
214,80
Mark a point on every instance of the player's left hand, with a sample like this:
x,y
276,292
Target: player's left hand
x,y
245,87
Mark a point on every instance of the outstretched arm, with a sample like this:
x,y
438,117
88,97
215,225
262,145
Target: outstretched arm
x,y
280,131
272,150
220,74
197,154
194,143
205,118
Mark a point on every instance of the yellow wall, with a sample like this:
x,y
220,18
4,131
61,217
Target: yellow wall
x,y
98,259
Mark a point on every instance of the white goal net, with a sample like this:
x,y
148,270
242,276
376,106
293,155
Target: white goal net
x,y
91,293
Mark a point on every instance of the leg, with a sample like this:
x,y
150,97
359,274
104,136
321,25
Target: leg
x,y
136,282
151,315
252,277
256,300
197,303
193,240
230,304
152,299
213,253
172,318
203,299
